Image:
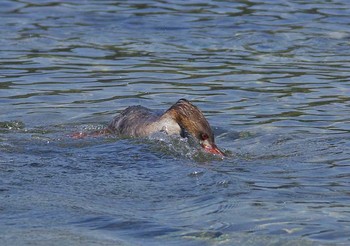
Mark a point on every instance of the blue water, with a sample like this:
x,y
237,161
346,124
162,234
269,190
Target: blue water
x,y
272,78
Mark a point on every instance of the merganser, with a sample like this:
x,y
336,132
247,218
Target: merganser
x,y
183,118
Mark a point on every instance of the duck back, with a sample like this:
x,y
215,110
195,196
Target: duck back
x,y
134,121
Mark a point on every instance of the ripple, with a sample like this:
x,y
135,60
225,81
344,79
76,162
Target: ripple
x,y
272,79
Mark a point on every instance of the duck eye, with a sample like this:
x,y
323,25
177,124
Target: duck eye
x,y
204,136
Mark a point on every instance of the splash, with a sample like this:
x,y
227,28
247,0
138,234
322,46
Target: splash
x,y
179,147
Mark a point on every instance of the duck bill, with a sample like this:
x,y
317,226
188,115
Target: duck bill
x,y
213,149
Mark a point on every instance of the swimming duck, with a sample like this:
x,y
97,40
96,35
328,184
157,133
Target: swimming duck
x,y
183,118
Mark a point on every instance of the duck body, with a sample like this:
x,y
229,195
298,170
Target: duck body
x,y
182,118
139,121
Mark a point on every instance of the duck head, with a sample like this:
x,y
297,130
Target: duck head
x,y
192,120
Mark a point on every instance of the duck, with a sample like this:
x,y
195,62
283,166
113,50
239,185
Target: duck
x,y
182,118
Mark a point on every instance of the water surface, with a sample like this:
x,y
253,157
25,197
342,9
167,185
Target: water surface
x,y
271,77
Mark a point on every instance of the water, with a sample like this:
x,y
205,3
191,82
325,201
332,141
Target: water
x,y
272,77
